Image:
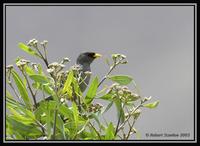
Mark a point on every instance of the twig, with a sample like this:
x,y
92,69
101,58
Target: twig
x,y
15,92
45,53
41,126
95,131
118,122
116,130
122,125
111,69
43,58
130,129
29,87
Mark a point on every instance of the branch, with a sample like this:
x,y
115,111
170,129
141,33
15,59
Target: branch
x,y
43,58
15,92
111,69
95,131
29,87
130,129
122,125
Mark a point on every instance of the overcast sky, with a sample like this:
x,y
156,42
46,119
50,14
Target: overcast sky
x,y
157,40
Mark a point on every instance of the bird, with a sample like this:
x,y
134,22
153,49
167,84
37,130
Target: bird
x,y
84,60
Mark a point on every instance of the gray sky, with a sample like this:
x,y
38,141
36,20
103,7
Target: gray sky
x,y
157,40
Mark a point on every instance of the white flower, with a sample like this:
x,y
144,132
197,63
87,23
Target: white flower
x,y
50,70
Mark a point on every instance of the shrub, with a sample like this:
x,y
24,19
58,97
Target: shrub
x,y
70,115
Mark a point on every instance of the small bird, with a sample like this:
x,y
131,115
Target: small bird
x,y
84,60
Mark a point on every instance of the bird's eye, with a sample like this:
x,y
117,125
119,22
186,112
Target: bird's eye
x,y
91,55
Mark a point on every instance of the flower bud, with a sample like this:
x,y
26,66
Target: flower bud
x,y
66,60
50,70
122,56
54,64
9,67
124,62
88,72
146,99
45,42
137,113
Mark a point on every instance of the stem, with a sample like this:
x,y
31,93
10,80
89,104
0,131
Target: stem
x,y
43,58
118,122
111,69
54,126
41,126
15,92
29,87
95,131
116,130
130,129
45,53
122,125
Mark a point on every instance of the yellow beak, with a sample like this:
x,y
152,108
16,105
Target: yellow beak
x,y
96,55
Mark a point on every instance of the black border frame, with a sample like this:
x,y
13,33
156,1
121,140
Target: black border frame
x,y
109,4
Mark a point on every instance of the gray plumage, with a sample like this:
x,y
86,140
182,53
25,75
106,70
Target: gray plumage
x,y
84,60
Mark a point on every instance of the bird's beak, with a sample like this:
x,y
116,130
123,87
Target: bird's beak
x,y
96,55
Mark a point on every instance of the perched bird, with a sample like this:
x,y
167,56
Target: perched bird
x,y
84,60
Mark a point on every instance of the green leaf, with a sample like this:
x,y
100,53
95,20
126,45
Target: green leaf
x,y
40,69
92,91
67,83
29,70
94,116
48,121
17,107
151,105
110,132
75,113
107,108
120,111
48,89
76,86
83,128
65,111
8,95
28,50
39,78
25,82
25,130
52,105
106,97
22,89
20,118
121,79
60,126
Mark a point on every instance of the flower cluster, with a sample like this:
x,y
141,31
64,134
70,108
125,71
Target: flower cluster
x,y
76,67
95,107
65,60
119,58
21,63
34,43
123,93
44,43
9,67
55,69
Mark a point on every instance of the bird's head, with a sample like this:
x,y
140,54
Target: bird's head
x,y
87,57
